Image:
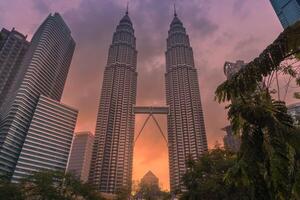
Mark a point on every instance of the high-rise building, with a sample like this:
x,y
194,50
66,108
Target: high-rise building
x,y
231,142
186,130
48,60
111,166
81,155
288,11
294,111
13,47
48,140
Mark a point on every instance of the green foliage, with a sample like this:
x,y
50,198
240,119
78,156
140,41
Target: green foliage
x,y
48,185
123,193
205,178
151,192
268,161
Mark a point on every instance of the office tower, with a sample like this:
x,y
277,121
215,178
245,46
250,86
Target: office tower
x,y
231,142
150,179
13,47
288,11
48,140
81,155
294,111
111,166
186,130
48,61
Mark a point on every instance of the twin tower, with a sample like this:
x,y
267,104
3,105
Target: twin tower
x,y
111,167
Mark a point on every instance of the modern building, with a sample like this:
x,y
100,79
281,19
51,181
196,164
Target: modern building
x,y
294,111
288,11
13,47
111,166
48,61
231,68
231,142
186,130
150,179
81,155
48,140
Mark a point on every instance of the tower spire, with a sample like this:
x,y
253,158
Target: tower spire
x,y
127,8
175,12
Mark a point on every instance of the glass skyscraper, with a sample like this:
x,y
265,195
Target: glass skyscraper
x,y
13,47
288,11
47,61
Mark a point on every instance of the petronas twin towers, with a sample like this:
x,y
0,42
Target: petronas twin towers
x,y
111,167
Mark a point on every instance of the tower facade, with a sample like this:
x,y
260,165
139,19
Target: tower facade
x,y
48,61
111,166
288,11
13,47
186,130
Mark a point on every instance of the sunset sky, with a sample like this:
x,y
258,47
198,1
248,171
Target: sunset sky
x,y
219,30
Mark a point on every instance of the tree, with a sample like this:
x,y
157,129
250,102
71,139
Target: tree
x,y
204,178
48,185
123,193
10,191
268,161
151,192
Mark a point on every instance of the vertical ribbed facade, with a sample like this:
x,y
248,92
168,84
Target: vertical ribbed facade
x,y
48,140
186,130
13,47
111,166
48,60
81,155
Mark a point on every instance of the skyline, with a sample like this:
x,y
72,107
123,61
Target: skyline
x,y
152,54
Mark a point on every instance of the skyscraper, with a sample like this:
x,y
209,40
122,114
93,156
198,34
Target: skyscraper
x,y
48,61
288,11
186,130
48,139
81,155
111,166
13,47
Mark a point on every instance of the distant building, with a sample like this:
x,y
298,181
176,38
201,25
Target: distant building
x,y
150,179
231,68
13,47
48,141
231,141
32,111
148,188
81,154
294,111
288,11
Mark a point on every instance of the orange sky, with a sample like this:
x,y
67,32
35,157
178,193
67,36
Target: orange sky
x,y
219,31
